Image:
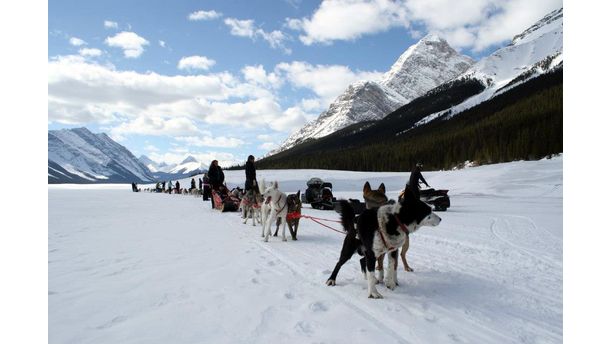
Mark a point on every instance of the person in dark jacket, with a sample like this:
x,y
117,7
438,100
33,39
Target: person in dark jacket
x,y
177,187
192,184
415,178
205,187
251,175
163,186
216,178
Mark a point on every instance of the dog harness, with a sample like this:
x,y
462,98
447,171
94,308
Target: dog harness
x,y
281,209
294,215
382,236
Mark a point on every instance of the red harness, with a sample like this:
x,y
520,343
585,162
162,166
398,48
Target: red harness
x,y
293,216
382,236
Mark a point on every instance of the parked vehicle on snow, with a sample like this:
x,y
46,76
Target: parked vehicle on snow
x,y
319,194
438,199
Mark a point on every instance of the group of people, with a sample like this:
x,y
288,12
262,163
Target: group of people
x,y
215,178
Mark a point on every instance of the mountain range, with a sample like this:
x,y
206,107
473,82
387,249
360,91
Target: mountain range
x,y
527,72
80,156
433,105
423,66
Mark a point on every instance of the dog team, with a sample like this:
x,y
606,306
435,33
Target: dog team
x,y
375,228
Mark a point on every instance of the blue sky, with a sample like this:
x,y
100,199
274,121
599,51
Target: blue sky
x,y
225,79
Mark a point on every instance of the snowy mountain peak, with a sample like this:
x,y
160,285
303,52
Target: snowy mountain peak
x,y
80,156
427,64
188,160
431,37
550,22
423,66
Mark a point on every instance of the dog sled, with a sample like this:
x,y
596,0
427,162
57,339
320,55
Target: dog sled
x,y
224,200
319,194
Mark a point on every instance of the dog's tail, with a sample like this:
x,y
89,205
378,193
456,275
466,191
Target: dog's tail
x,y
347,216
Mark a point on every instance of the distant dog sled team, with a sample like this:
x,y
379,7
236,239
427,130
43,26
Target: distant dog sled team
x,y
375,228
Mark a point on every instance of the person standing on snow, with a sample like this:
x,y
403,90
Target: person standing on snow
x,y
216,178
251,174
415,178
169,186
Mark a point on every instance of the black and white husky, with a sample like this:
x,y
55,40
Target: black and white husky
x,y
381,230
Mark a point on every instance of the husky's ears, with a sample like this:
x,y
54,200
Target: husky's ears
x,y
298,194
409,196
276,184
367,187
381,188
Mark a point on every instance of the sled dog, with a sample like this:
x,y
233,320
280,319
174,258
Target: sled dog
x,y
294,211
381,230
278,209
251,205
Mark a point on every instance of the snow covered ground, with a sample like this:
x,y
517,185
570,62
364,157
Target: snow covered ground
x,y
155,268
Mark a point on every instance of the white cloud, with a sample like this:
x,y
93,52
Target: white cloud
x,y
259,112
241,28
156,126
211,141
246,28
258,76
349,20
204,15
108,24
512,18
475,24
162,43
90,52
195,62
268,146
77,42
312,104
81,92
151,148
292,119
130,42
326,81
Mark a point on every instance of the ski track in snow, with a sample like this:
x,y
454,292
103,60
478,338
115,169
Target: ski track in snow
x,y
167,268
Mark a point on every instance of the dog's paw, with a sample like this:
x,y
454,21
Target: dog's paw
x,y
381,276
266,239
375,295
293,238
331,282
284,239
408,269
390,284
